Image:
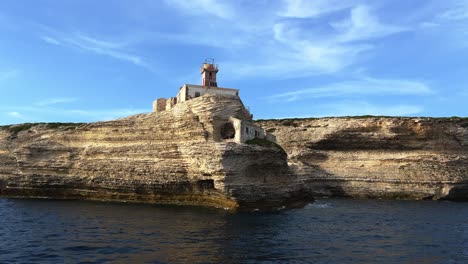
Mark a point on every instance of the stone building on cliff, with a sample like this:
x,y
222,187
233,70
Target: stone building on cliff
x,y
238,129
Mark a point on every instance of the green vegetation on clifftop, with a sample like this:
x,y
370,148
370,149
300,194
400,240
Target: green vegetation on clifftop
x,y
15,129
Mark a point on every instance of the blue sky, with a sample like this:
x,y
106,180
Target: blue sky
x,y
87,60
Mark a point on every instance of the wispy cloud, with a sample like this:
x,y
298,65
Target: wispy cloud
x,y
203,7
106,114
307,8
297,50
348,108
363,25
9,74
363,86
106,48
458,11
51,40
449,24
53,101
285,40
15,115
62,114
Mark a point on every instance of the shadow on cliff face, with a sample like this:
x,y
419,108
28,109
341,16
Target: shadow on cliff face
x,y
261,179
402,136
312,158
457,193
355,140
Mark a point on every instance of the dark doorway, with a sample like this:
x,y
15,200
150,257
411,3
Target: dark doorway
x,y
228,131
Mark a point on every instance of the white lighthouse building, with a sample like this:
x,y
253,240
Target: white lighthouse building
x,y
239,130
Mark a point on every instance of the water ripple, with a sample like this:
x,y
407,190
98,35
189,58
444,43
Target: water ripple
x,y
328,231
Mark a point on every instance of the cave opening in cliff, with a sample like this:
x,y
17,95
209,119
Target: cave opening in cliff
x,y
228,131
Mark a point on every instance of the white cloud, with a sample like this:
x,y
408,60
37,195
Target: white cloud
x,y
53,101
363,86
111,49
366,108
55,114
429,25
104,48
106,114
15,114
362,25
449,23
313,8
9,74
296,50
51,40
203,7
272,43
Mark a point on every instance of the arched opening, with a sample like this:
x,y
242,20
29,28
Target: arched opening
x,y
228,131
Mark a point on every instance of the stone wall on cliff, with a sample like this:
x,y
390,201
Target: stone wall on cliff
x,y
378,157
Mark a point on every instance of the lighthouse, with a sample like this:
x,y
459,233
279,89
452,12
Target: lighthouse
x,y
236,128
208,71
187,92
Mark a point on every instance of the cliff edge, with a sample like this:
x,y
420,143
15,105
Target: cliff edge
x,y
169,157
377,157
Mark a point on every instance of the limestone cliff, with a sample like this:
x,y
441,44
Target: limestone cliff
x,y
172,157
378,157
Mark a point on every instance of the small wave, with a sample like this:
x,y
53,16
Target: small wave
x,y
320,205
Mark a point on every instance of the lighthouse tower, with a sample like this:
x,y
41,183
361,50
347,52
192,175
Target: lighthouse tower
x,y
208,71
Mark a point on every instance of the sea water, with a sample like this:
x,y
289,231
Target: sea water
x,y
327,231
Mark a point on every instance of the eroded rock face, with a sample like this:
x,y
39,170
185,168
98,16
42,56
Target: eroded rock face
x,y
371,157
173,157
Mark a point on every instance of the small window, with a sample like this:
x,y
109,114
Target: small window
x,y
210,75
197,94
247,130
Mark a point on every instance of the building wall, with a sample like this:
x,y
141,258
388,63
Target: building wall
x,y
171,102
182,95
159,105
246,131
209,72
188,92
202,90
250,131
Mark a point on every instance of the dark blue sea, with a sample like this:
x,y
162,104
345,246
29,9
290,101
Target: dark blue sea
x,y
328,231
